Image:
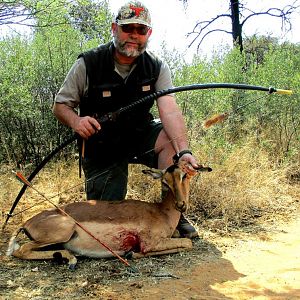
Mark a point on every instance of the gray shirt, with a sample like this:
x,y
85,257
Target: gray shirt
x,y
75,85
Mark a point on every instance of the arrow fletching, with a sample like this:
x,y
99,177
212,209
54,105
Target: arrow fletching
x,y
22,178
215,119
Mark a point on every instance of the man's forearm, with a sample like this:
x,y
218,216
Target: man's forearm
x,y
173,123
175,129
65,114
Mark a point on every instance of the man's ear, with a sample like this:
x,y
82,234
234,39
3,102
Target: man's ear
x,y
114,27
149,32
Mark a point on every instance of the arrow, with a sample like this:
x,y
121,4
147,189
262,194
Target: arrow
x,y
113,115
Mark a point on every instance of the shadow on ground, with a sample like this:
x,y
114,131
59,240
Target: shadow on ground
x,y
187,275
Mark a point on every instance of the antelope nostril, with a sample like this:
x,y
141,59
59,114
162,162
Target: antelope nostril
x,y
181,206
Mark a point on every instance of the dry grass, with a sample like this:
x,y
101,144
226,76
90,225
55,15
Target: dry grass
x,y
59,182
242,188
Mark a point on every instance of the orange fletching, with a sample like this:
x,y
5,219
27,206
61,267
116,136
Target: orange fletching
x,y
21,177
215,119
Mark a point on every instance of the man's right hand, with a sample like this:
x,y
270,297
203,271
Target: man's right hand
x,y
86,126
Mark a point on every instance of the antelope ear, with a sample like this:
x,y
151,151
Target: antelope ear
x,y
201,168
155,173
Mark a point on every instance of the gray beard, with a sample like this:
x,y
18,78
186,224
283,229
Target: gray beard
x,y
120,46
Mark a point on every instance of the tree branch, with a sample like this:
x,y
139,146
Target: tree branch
x,y
203,25
283,13
16,12
206,34
201,29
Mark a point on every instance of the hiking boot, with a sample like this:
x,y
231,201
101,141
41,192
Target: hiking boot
x,y
186,229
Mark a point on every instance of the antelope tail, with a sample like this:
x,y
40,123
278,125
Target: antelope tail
x,y
13,245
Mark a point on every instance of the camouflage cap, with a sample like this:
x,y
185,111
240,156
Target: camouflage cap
x,y
133,12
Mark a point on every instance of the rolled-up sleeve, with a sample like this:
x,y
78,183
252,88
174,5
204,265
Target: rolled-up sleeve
x,y
74,85
164,80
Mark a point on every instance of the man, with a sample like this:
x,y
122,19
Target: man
x,y
113,76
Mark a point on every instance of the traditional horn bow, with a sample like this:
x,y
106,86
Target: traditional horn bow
x,y
113,115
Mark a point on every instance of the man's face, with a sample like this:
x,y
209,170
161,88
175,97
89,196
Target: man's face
x,y
130,40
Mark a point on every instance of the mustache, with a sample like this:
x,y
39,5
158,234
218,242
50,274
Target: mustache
x,y
131,41
121,46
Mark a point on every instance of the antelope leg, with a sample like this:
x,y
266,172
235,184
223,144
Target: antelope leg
x,y
27,251
167,246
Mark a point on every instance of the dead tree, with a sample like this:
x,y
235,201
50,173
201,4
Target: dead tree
x,y
239,15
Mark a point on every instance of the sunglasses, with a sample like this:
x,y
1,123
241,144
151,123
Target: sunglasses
x,y
130,28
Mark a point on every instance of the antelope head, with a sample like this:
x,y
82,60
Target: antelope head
x,y
176,178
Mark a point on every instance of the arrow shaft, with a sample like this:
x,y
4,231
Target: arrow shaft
x,y
155,95
25,181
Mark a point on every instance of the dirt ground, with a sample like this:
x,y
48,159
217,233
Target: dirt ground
x,y
259,264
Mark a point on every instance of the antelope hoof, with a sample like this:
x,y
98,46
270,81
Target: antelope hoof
x,y
128,255
72,263
72,267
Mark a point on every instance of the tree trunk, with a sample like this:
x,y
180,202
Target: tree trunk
x,y
236,25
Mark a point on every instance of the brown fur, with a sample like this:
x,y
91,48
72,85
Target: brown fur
x,y
128,225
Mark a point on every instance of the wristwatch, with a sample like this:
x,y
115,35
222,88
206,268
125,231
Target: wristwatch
x,y
177,156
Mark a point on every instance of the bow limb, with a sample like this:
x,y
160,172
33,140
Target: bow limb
x,y
35,172
203,86
113,115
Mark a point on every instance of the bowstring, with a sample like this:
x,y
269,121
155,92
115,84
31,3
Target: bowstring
x,y
234,111
146,152
121,170
93,178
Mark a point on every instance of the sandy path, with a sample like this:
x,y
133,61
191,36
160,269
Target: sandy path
x,y
271,268
266,267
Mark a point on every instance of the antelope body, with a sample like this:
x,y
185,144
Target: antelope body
x,y
126,226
